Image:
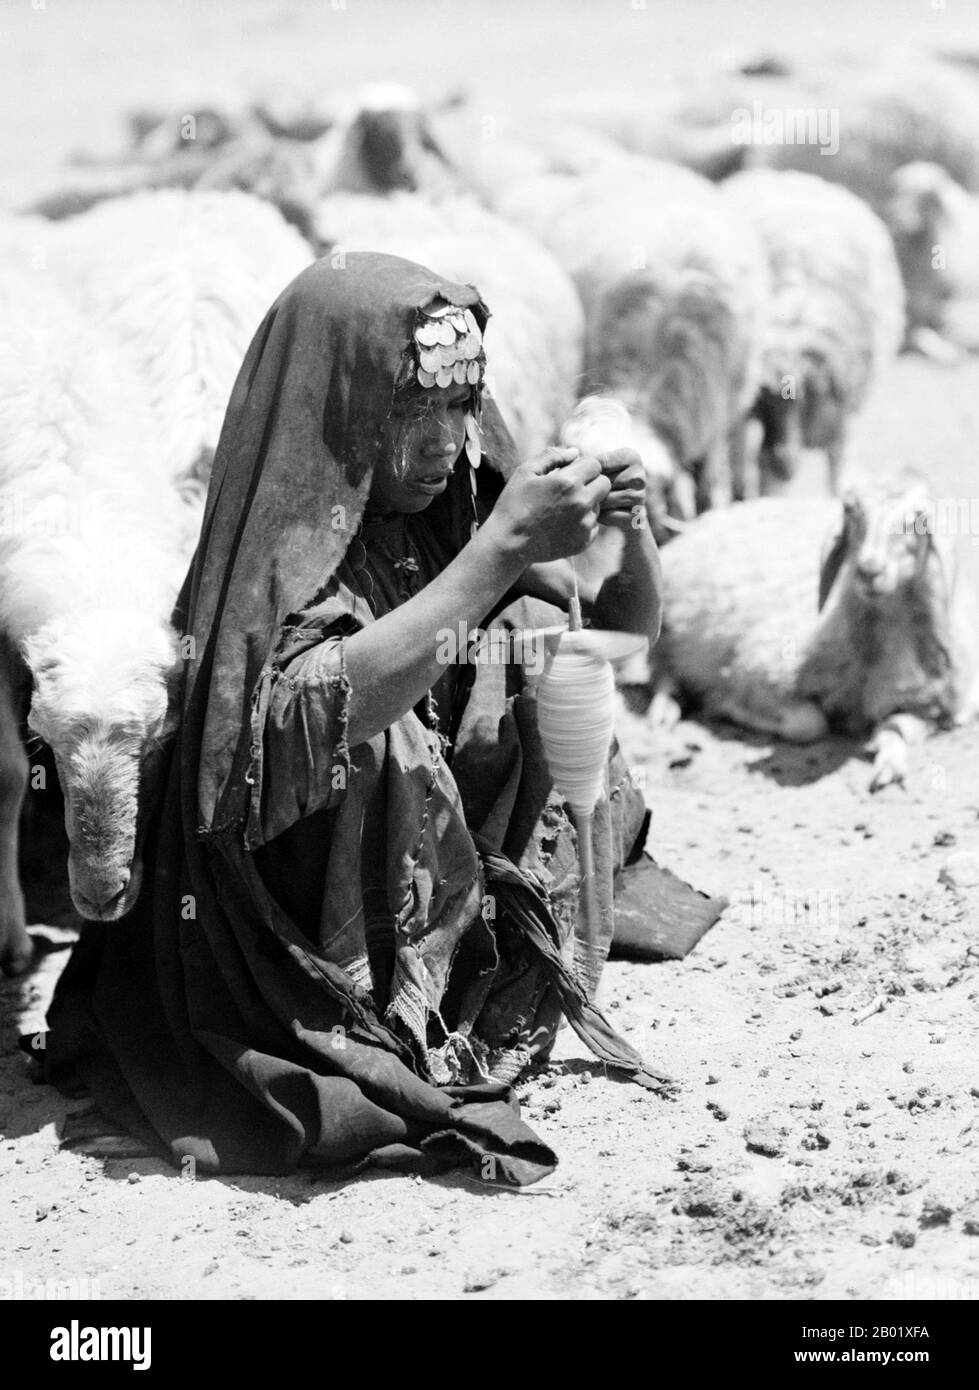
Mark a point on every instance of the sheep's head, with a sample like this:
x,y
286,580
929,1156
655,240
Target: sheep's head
x,y
778,413
883,547
387,144
102,701
801,406
918,201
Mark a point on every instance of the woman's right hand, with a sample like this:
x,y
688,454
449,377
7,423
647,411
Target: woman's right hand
x,y
549,508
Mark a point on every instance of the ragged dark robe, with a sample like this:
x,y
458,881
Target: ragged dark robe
x,y
339,952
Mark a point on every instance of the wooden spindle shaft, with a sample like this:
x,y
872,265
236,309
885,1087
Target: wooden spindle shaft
x,y
574,606
587,896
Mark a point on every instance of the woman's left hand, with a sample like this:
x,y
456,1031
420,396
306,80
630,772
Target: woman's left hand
x,y
625,505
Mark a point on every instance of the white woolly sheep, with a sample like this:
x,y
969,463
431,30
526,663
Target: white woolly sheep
x,y
181,281
794,617
687,121
494,153
934,223
377,140
836,313
903,107
93,544
535,334
674,283
384,143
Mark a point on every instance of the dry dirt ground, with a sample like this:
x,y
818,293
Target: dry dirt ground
x,y
823,1143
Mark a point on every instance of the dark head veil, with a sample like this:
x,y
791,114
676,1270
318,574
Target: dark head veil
x,y
290,480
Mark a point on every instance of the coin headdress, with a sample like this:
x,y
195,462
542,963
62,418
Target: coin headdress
x,y
447,348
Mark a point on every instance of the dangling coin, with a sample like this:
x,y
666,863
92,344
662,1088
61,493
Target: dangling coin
x,y
459,372
430,359
448,355
426,378
472,373
443,377
441,311
447,334
427,335
470,347
474,450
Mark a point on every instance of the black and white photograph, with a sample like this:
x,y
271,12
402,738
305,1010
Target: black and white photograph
x,y
489,660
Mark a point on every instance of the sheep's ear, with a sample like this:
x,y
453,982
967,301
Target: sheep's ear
x,y
834,555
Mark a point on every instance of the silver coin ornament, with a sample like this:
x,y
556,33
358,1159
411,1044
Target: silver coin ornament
x,y
448,345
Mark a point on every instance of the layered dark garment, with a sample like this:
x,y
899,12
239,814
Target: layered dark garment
x,y
339,952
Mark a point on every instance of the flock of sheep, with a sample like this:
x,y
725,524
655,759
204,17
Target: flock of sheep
x,y
719,306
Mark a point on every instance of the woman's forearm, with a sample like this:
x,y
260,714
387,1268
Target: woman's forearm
x,y
631,600
393,662
627,601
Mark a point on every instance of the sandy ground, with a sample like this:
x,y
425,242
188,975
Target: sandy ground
x,y
823,1143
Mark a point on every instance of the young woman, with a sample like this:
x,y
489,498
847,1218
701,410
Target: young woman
x,y
359,917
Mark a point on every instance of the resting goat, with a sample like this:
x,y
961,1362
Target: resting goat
x,y
875,639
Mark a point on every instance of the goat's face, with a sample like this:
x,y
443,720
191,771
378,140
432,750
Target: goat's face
x,y
101,703
886,543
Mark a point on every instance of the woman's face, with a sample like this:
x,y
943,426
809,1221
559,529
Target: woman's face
x,y
422,440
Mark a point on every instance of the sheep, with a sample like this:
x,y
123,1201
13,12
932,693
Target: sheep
x,y
674,283
849,117
378,140
934,224
795,617
206,150
687,121
903,107
93,544
181,281
384,143
836,314
535,335
495,152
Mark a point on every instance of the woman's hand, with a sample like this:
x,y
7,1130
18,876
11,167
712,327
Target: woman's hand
x,y
625,506
550,507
